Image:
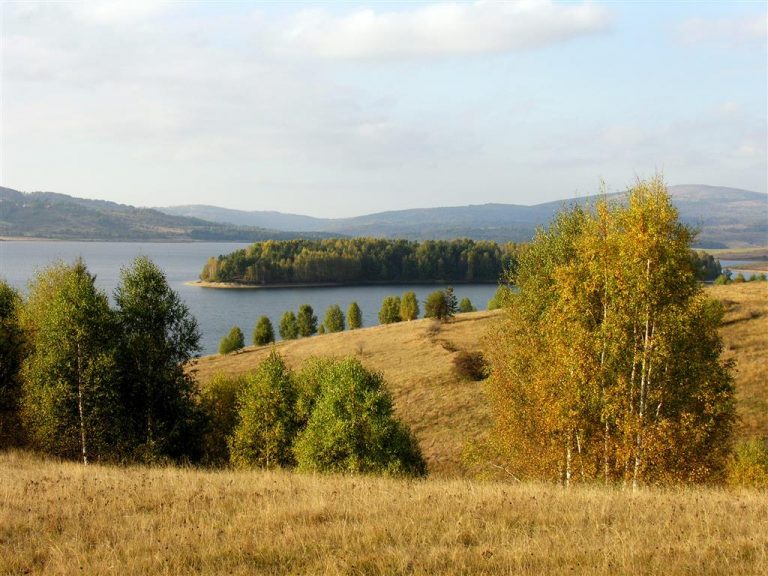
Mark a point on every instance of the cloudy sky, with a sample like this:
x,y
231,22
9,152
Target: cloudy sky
x,y
343,109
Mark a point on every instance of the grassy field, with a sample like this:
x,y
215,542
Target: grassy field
x,y
446,413
63,518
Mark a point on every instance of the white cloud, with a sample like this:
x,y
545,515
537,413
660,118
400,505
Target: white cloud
x,y
442,29
751,29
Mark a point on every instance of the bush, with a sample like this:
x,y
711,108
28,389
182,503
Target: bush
x,y
334,319
232,342
749,464
390,310
739,278
466,305
354,316
353,429
409,306
263,333
441,304
218,402
470,366
267,422
289,327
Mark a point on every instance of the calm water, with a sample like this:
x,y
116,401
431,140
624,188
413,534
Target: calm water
x,y
216,310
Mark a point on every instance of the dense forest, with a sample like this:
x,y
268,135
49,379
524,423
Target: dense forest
x,y
362,260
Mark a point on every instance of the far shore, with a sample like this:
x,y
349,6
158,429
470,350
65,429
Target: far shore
x,y
240,286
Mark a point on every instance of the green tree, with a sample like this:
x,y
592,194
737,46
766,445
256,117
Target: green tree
x,y
390,310
354,316
436,306
607,364
158,336
267,422
263,333
232,342
218,402
466,305
334,319
71,398
321,330
409,306
451,302
306,320
352,427
289,327
11,357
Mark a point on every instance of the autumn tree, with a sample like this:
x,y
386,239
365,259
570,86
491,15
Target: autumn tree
x,y
607,365
409,306
263,333
306,321
441,304
157,336
354,316
334,319
71,396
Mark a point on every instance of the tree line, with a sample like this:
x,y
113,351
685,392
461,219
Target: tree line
x,y
362,260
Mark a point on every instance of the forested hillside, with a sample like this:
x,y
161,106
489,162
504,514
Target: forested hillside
x,y
51,215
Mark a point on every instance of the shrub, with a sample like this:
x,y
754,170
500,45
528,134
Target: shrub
x,y
218,402
232,342
466,305
263,333
390,310
334,319
321,329
739,278
748,466
353,429
470,366
289,327
409,306
267,422
441,304
354,316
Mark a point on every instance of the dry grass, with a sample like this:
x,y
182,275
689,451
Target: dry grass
x,y
417,362
63,518
745,333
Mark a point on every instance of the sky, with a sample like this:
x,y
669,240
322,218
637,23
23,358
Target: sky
x,y
342,109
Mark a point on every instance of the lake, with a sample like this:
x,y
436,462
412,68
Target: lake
x,y
216,310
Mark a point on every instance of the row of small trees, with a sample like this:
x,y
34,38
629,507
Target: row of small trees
x,y
293,326
440,304
331,416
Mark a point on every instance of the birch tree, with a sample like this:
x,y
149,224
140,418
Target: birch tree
x,y
71,402
608,364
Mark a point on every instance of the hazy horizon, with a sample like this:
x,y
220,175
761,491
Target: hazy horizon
x,y
337,110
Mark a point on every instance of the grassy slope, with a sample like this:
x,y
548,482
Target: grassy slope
x,y
63,518
446,413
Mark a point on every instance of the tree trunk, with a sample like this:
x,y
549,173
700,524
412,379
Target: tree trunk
x,y
81,411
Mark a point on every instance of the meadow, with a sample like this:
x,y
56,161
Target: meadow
x,y
64,518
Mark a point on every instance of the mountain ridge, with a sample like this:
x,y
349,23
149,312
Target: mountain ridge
x,y
725,216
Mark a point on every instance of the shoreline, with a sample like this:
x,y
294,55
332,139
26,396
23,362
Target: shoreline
x,y
238,286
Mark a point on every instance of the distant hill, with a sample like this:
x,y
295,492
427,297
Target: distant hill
x,y
53,215
726,217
